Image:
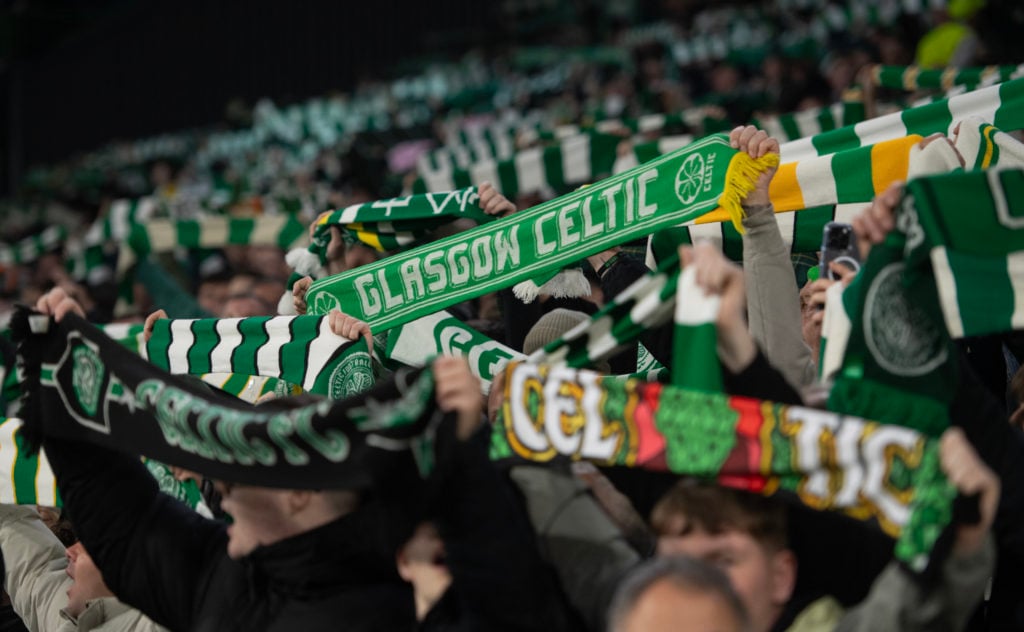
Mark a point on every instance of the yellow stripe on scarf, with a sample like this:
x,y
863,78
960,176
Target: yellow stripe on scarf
x,y
990,144
367,237
890,161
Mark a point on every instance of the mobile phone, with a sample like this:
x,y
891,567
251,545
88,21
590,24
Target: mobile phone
x,y
838,244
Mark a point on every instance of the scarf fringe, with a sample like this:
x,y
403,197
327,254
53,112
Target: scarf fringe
x,y
569,283
740,180
305,263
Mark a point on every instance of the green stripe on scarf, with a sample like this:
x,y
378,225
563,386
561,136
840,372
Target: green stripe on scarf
x,y
891,477
645,304
669,190
967,240
916,78
28,479
299,350
952,269
387,224
1001,105
574,161
694,353
32,248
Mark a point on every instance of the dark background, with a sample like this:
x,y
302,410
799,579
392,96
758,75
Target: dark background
x,y
77,74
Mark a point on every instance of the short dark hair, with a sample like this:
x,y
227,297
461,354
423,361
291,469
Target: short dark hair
x,y
682,572
714,509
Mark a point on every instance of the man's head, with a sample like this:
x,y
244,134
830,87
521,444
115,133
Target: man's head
x,y
742,534
87,582
263,516
677,594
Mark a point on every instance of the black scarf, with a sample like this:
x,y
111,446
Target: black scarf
x,y
79,384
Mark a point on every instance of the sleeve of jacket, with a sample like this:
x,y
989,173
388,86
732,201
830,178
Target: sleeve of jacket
x,y
500,579
773,299
623,273
155,553
34,562
588,551
761,380
898,602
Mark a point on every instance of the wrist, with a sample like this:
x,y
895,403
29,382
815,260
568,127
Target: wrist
x,y
756,198
736,349
603,261
757,209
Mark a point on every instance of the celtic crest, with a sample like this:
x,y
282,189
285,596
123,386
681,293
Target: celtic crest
x,y
689,178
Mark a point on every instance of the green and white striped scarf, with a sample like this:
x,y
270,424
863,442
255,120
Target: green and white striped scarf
x,y
165,235
87,256
29,480
917,78
574,161
299,350
835,172
966,231
29,249
246,387
1002,105
497,143
850,178
694,353
399,222
681,185
887,476
645,304
951,270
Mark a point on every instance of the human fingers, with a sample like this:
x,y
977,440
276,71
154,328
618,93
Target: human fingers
x,y
147,327
299,290
685,256
767,146
67,305
845,273
748,133
47,302
929,139
486,192
734,136
755,141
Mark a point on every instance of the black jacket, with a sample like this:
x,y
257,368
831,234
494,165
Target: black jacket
x,y
161,557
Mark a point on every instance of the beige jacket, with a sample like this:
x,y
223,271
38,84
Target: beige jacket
x,y
773,299
35,578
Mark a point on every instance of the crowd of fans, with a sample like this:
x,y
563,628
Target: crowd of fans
x,y
533,548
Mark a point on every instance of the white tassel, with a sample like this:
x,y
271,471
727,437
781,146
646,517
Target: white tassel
x,y
286,306
568,283
526,291
305,263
